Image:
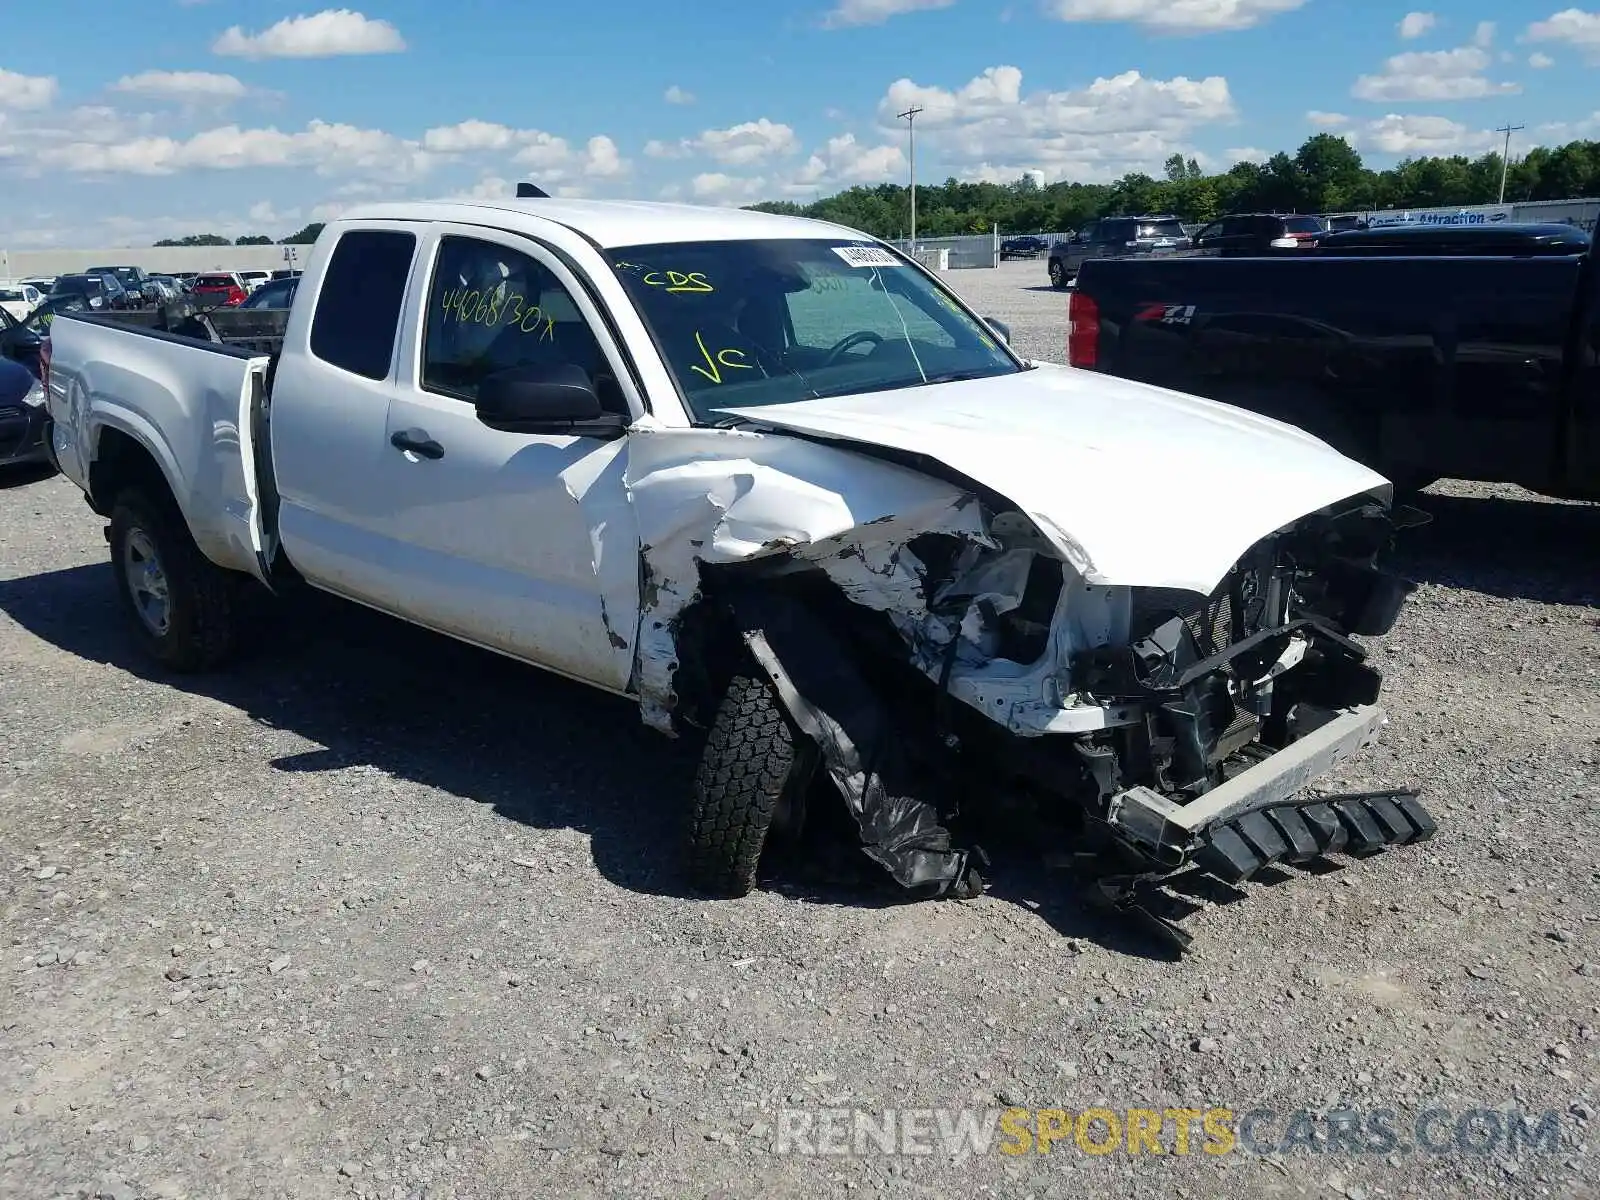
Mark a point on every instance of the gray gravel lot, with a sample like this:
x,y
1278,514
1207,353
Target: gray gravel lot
x,y
378,915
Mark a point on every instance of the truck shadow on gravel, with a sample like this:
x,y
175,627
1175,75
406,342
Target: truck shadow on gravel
x,y
373,691
1511,547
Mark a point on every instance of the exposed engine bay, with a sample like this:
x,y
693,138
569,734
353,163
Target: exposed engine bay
x,y
938,670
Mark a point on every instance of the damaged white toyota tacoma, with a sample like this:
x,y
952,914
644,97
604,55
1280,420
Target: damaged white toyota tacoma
x,y
770,478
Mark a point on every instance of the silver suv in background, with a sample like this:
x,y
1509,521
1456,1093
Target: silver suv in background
x,y
1115,237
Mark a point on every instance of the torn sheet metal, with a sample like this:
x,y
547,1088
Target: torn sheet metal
x,y
725,496
891,796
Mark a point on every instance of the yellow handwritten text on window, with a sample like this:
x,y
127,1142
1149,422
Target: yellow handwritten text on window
x,y
678,281
730,358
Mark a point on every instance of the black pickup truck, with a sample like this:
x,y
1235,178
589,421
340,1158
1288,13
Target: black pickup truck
x,y
1424,352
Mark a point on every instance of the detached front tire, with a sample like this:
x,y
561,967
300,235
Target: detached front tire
x,y
752,775
180,604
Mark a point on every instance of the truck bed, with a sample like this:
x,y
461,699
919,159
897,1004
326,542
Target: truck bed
x,y
257,330
194,404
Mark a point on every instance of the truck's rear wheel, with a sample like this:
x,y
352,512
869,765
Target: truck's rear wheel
x,y
180,604
750,784
1058,273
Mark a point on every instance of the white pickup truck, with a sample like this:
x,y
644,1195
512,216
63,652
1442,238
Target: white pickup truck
x,y
771,478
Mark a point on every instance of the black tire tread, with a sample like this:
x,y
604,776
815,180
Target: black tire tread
x,y
202,631
747,763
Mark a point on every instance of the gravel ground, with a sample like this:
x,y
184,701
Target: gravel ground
x,y
379,915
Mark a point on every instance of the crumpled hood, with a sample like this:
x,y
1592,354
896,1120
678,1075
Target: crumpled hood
x,y
1136,486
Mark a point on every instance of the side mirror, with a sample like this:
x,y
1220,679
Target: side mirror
x,y
546,398
1000,328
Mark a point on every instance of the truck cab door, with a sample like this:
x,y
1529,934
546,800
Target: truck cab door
x,y
520,542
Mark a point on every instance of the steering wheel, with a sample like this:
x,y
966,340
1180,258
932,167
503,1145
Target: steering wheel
x,y
845,343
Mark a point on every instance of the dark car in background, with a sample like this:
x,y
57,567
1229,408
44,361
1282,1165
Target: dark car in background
x,y
1026,246
134,280
24,418
20,341
1425,352
275,293
98,290
1256,234
1344,222
1116,237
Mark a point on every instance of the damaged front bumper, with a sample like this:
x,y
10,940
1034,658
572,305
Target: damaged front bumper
x,y
1248,822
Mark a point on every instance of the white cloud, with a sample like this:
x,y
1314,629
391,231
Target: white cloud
x,y
543,151
838,163
1571,26
677,95
601,160
1112,126
327,34
1327,120
1250,154
186,87
1433,75
551,159
1540,62
329,148
1415,24
474,136
1419,136
1174,16
722,188
875,12
26,91
1483,35
739,145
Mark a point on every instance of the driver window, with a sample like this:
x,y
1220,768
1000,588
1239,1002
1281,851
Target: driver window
x,y
491,308
839,305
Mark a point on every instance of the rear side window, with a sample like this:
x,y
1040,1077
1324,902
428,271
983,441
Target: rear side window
x,y
1161,229
213,281
358,308
1302,225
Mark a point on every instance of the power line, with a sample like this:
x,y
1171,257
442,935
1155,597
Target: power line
x,y
1505,159
910,118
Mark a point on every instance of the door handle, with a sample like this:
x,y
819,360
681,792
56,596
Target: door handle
x,y
417,442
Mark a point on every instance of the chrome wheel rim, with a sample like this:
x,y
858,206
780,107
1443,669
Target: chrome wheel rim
x,y
147,581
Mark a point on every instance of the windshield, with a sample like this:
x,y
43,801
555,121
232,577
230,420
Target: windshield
x,y
78,283
745,323
7,295
1302,225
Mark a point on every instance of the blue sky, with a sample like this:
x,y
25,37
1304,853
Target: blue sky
x,y
125,121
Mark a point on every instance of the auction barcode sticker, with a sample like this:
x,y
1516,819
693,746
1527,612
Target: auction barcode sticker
x,y
866,256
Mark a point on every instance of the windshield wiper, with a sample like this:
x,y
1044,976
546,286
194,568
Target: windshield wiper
x,y
729,421
958,376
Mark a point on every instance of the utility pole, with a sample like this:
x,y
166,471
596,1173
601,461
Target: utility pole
x,y
1505,159
910,118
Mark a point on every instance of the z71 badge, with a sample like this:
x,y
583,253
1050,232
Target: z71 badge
x,y
1166,314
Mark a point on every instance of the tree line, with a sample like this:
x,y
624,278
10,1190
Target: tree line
x,y
301,237
1325,175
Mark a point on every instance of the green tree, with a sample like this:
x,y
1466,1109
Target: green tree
x,y
253,239
303,237
196,239
1331,173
